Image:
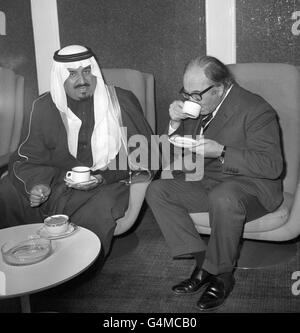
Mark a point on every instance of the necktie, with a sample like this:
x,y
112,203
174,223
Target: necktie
x,y
205,120
202,124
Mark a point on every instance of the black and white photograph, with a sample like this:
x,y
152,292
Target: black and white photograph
x,y
150,160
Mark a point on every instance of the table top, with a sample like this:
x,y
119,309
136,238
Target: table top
x,y
71,255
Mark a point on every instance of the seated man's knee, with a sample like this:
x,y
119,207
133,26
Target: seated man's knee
x,y
224,199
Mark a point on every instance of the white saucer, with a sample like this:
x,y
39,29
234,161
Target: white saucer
x,y
44,233
184,142
91,181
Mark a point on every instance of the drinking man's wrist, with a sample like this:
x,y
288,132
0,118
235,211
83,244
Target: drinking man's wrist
x,y
175,123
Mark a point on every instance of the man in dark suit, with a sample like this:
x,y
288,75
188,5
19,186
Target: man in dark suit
x,y
242,168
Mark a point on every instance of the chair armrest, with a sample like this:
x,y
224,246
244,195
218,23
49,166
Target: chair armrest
x,y
136,199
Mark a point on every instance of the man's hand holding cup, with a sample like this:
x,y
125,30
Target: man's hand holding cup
x,y
180,110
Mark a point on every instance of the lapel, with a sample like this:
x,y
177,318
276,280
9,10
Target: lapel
x,y
228,108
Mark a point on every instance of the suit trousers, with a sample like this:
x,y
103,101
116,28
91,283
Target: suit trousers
x,y
230,206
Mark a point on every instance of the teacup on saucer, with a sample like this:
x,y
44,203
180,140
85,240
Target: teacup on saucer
x,y
57,224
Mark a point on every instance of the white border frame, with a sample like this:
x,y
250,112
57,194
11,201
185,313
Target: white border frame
x,y
221,29
46,38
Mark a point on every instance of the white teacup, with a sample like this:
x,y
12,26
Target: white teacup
x,y
79,174
191,109
57,224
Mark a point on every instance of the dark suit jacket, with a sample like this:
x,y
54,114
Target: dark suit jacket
x,y
249,128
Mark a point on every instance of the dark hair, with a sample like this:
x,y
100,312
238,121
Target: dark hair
x,y
213,69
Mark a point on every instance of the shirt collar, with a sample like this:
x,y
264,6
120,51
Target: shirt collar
x,y
218,107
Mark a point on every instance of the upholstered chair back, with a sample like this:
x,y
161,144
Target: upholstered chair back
x,y
141,84
11,112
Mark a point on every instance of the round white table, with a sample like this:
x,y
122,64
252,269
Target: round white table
x,y
71,256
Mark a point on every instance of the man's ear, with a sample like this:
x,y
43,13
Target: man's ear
x,y
219,90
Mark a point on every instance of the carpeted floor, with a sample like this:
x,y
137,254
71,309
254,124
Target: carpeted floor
x,y
138,276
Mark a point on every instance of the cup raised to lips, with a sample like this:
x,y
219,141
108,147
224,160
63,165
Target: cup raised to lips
x,y
57,224
191,109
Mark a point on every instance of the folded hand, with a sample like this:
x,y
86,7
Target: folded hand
x,y
39,194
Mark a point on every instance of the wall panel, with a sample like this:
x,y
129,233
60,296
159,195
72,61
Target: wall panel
x,y
17,46
268,31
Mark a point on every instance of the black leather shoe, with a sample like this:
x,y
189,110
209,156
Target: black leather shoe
x,y
192,285
216,292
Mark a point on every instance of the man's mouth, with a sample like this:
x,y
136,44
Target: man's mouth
x,y
82,88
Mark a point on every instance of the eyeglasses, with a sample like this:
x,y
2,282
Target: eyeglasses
x,y
196,95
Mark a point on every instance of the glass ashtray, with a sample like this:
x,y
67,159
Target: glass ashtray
x,y
26,252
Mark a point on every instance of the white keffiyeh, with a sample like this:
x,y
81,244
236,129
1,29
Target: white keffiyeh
x,y
106,138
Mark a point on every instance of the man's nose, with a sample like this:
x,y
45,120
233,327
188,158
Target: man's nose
x,y
81,79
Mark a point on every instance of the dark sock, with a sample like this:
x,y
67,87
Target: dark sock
x,y
227,278
199,257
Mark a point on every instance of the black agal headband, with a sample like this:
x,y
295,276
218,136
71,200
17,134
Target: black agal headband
x,y
72,57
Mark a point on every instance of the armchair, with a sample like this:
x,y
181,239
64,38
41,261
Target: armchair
x,y
279,84
11,112
142,85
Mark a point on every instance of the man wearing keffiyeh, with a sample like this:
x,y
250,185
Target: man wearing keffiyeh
x,y
81,122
